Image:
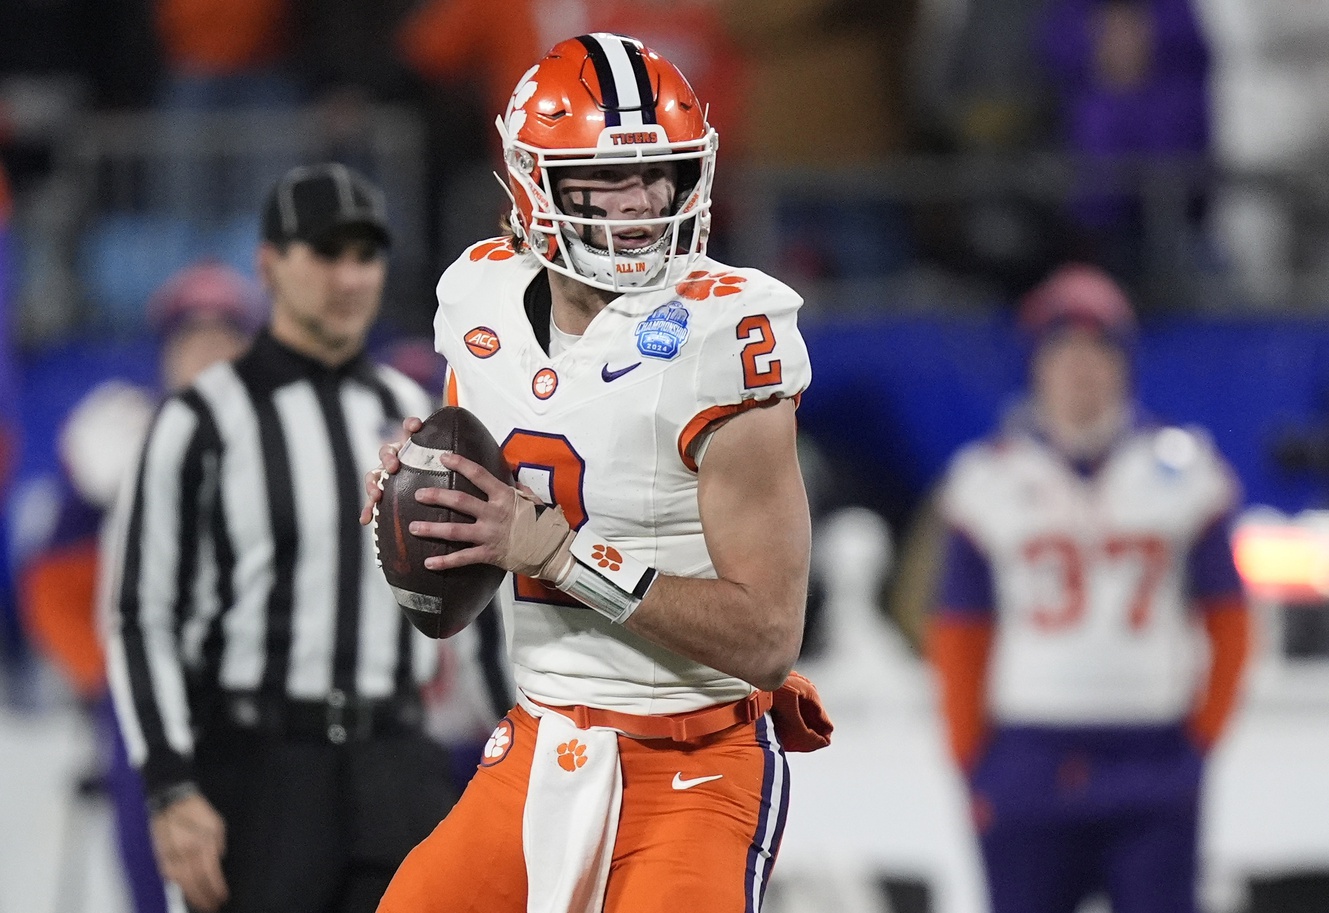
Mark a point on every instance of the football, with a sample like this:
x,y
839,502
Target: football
x,y
439,603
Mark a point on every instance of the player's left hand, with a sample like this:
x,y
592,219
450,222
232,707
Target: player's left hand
x,y
509,531
388,463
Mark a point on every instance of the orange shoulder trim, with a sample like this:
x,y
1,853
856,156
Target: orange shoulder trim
x,y
704,419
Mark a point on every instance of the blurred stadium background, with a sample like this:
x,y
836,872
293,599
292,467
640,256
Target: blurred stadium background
x,y
910,166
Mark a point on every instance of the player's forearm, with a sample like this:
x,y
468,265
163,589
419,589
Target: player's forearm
x,y
1227,623
749,634
959,649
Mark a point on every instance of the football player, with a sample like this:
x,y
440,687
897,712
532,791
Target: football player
x,y
1087,546
644,396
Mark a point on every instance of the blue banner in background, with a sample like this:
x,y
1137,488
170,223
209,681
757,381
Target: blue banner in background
x,y
892,398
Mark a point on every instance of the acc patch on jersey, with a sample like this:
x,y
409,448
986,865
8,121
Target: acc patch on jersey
x,y
662,334
482,342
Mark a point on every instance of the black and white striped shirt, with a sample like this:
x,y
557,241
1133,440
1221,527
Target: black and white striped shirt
x,y
241,566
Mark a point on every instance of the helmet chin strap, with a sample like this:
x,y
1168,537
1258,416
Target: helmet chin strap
x,y
604,265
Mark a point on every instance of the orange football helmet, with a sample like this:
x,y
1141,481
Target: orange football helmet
x,y
600,99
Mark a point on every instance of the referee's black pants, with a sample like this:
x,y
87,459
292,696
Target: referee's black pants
x,y
316,827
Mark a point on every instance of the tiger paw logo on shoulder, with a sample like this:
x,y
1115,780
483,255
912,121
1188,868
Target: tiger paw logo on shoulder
x,y
662,334
700,285
494,249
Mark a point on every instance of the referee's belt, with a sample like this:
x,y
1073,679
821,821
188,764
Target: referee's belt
x,y
339,718
678,727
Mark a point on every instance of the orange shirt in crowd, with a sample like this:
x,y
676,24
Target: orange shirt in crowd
x,y
455,40
221,37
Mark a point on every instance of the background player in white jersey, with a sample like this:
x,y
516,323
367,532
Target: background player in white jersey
x,y
647,392
1087,548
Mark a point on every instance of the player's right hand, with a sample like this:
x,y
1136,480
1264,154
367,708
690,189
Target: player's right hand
x,y
387,464
189,838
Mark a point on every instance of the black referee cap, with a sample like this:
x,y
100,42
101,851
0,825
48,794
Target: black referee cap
x,y
312,201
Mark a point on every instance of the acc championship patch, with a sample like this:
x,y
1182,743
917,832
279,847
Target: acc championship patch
x,y
662,334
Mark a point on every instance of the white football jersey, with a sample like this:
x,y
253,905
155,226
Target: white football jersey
x,y
1089,574
607,430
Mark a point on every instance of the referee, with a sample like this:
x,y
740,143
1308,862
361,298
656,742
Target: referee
x,y
264,678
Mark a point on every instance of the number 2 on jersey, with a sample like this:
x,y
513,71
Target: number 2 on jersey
x,y
757,328
1067,562
550,467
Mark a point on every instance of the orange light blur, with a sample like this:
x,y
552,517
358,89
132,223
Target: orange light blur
x,y
1289,563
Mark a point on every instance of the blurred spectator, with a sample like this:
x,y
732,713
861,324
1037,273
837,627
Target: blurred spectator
x,y
223,52
106,47
974,83
13,650
349,44
464,46
1132,80
826,88
826,79
1084,547
463,41
203,314
1271,132
473,58
979,91
220,56
8,389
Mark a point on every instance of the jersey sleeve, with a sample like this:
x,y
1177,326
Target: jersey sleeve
x,y
752,355
156,544
475,268
1210,567
965,587
964,491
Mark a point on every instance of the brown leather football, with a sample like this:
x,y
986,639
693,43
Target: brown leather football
x,y
439,603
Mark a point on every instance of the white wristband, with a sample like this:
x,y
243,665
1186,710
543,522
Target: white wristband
x,y
604,578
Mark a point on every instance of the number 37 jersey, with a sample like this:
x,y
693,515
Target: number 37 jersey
x,y
611,428
1092,578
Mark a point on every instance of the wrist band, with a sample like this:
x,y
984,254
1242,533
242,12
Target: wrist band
x,y
604,578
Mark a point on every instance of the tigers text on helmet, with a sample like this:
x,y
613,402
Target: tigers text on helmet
x,y
604,99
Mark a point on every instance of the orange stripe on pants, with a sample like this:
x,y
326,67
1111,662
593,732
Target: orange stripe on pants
x,y
706,848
